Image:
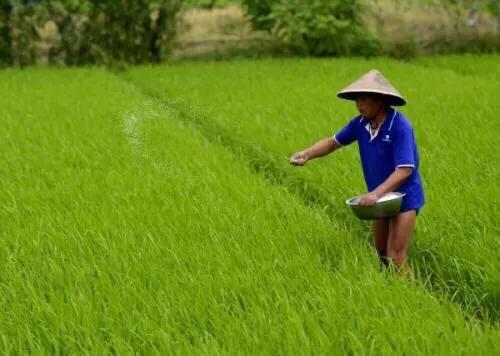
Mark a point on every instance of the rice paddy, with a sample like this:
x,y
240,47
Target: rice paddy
x,y
154,211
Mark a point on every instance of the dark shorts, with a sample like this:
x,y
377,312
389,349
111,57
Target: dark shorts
x,y
405,209
411,204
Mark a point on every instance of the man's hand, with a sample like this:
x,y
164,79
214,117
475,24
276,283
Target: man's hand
x,y
299,158
319,149
392,183
369,199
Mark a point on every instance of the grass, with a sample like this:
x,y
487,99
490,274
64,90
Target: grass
x,y
266,110
125,229
485,65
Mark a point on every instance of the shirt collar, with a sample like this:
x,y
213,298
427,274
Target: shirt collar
x,y
388,122
386,125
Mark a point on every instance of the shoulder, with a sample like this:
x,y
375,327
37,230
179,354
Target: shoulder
x,y
356,121
400,123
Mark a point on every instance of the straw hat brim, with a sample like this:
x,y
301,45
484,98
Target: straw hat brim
x,y
354,94
372,82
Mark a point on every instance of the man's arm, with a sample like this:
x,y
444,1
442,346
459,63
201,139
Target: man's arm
x,y
393,182
322,148
319,149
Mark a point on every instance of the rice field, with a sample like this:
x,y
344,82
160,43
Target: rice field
x,y
154,212
272,109
486,64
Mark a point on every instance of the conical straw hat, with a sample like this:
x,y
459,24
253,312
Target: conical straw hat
x,y
372,82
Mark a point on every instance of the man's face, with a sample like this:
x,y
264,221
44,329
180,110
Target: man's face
x,y
369,105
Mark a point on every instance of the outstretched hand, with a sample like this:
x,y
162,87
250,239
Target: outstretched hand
x,y
299,159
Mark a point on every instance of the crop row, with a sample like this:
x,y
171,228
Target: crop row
x,y
267,110
125,230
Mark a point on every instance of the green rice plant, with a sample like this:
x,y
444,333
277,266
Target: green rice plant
x,y
126,231
266,110
486,64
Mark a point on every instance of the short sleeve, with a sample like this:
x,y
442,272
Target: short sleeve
x,y
404,146
348,134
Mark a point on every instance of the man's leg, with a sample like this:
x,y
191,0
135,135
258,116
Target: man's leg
x,y
380,229
401,230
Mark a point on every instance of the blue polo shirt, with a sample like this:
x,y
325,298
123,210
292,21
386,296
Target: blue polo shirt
x,y
393,146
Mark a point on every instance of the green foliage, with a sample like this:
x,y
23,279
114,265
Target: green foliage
x,y
269,109
467,64
494,7
5,42
208,4
90,31
318,27
260,11
126,230
132,31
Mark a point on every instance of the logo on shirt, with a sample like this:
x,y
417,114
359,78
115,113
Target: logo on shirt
x,y
387,138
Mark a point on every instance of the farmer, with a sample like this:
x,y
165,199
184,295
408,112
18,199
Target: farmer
x,y
389,157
